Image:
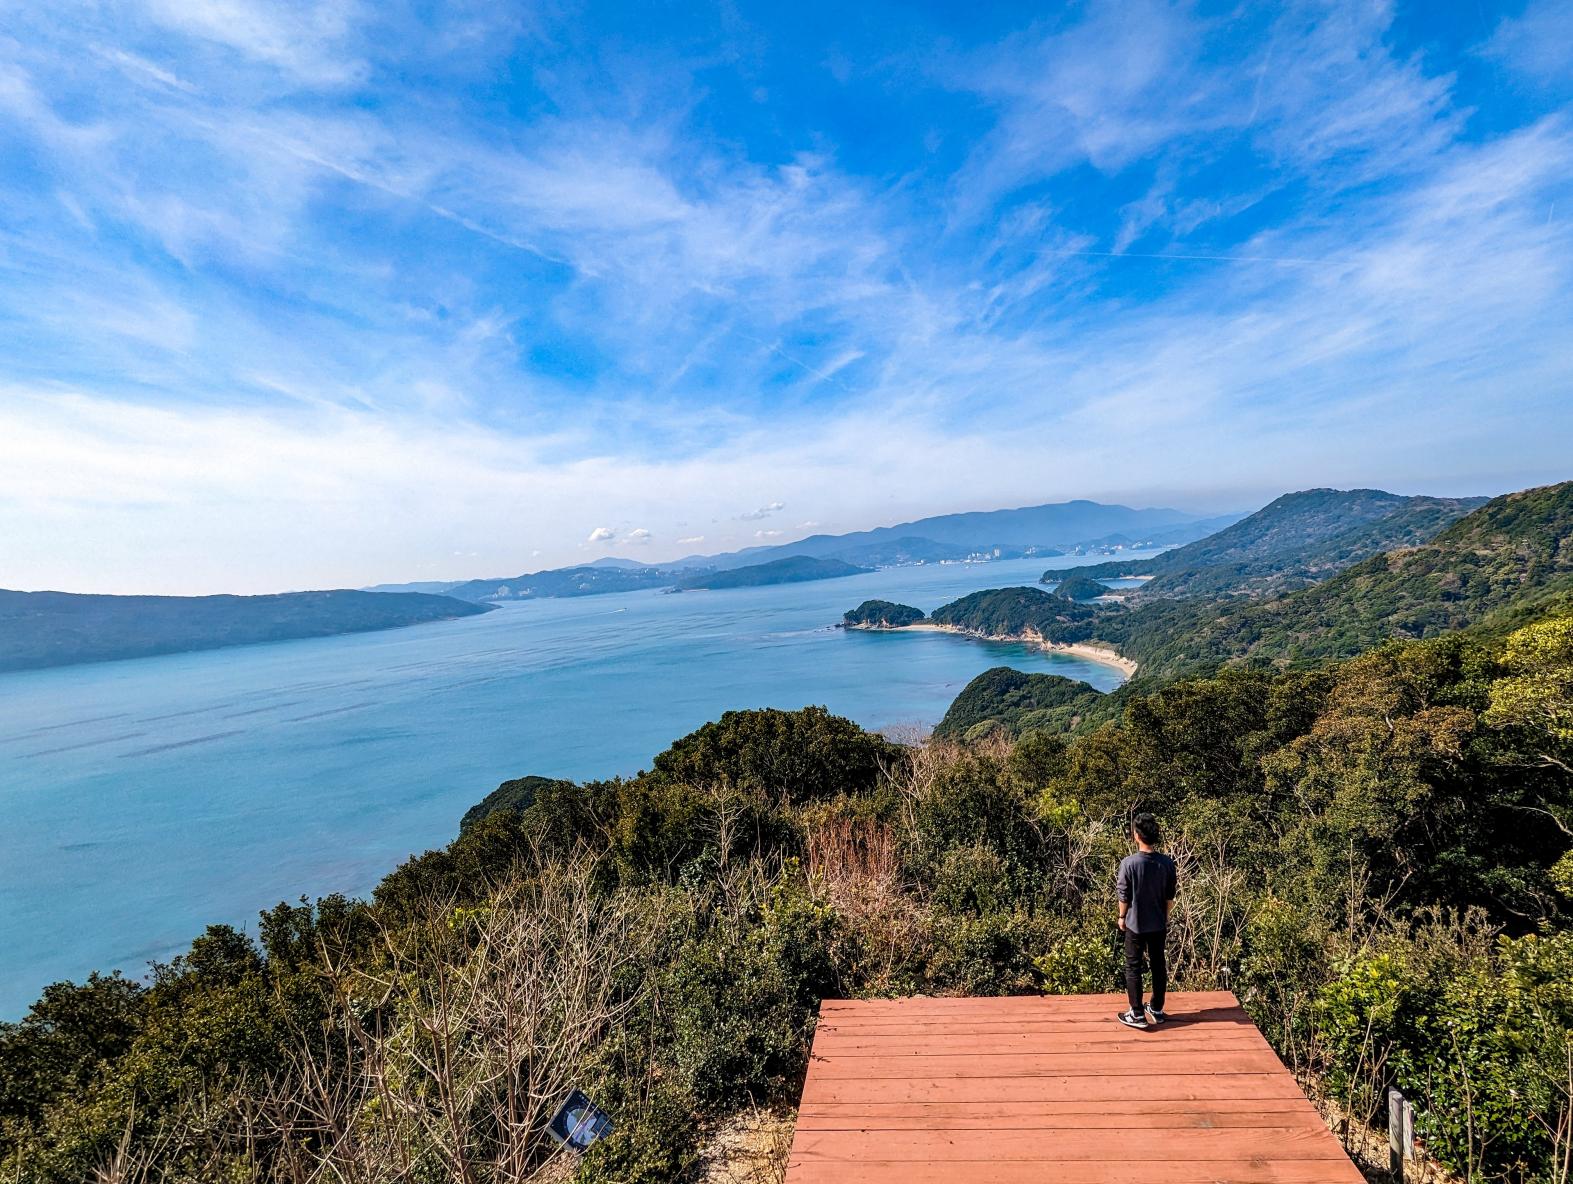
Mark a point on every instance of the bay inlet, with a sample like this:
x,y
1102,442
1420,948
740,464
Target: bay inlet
x,y
145,799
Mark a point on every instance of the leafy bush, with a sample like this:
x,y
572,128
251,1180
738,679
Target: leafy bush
x,y
803,754
1013,702
1080,963
653,1142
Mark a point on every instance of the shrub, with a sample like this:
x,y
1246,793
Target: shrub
x,y
653,1142
1080,963
803,754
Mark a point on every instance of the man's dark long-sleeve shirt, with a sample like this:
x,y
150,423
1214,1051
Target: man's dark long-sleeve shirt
x,y
1146,883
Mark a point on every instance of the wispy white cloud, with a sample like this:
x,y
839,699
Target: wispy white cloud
x,y
1533,45
140,70
305,40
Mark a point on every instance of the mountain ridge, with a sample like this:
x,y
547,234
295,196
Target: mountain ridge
x,y
1295,540
793,569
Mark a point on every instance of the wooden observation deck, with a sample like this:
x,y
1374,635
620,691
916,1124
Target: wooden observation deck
x,y
1051,1090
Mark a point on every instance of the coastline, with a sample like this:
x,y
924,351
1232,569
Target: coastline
x,y
1079,649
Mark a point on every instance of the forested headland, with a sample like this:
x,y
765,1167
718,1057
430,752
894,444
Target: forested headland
x,y
39,629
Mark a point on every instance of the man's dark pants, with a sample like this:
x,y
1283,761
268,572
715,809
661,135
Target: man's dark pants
x,y
1150,944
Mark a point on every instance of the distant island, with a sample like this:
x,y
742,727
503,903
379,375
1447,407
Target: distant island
x,y
563,582
794,570
41,629
882,614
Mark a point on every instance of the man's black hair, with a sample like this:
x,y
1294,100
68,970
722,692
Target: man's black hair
x,y
1146,828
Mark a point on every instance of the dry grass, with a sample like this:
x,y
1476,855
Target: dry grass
x,y
855,865
751,1148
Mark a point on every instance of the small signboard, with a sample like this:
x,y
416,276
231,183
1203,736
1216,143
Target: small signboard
x,y
579,1122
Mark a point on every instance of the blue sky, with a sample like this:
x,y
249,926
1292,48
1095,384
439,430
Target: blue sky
x,y
330,293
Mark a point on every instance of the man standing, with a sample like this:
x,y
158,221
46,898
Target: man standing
x,y
1145,886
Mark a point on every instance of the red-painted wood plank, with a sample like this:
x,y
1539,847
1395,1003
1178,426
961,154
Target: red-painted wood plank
x,y
1029,1020
1049,1064
1071,1145
1188,1001
1071,1109
992,1120
1174,1086
1032,1043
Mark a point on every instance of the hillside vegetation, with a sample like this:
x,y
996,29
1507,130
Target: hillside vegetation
x,y
1015,611
1010,701
1298,539
1078,587
1512,554
1375,849
514,796
1493,568
40,629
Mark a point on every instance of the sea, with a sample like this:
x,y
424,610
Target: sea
x,y
143,800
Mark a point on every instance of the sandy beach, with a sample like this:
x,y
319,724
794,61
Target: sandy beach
x,y
1079,649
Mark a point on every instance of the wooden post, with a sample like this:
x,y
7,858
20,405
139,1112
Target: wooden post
x,y
1395,1134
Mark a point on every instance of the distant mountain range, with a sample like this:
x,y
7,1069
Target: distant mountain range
x,y
39,629
794,569
1056,526
596,580
565,581
1079,527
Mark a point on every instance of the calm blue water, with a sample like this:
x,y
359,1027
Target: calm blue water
x,y
145,799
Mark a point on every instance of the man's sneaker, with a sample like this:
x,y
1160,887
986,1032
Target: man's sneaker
x,y
1154,1015
1132,1019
